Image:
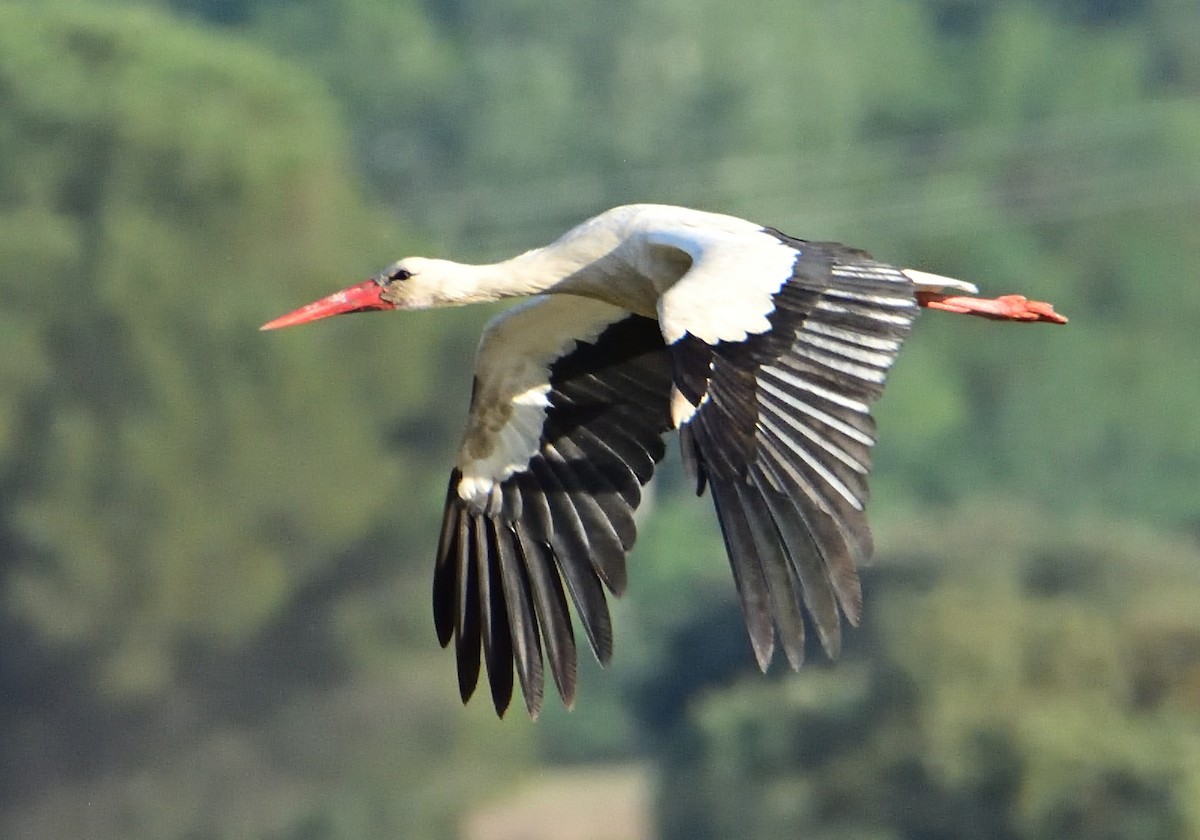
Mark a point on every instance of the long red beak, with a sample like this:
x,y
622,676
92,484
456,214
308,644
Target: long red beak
x,y
361,297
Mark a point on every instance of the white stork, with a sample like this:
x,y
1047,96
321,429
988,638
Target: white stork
x,y
763,351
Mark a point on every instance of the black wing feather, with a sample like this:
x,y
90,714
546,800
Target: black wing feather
x,y
782,435
783,584
550,602
748,576
497,635
586,462
526,641
466,629
565,522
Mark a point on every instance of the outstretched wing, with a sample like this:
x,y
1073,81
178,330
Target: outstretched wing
x,y
774,418
567,417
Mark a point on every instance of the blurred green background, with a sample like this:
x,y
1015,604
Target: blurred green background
x,y
216,545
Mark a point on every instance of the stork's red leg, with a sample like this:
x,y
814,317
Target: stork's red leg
x,y
1003,308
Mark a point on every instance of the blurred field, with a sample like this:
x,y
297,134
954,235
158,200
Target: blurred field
x,y
599,803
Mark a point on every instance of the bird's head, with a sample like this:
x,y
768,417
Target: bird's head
x,y
410,283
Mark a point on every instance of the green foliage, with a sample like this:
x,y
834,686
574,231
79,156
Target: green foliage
x,y
191,507
1043,686
163,446
216,542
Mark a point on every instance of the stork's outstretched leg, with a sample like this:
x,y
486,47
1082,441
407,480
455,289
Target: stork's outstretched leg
x,y
1003,308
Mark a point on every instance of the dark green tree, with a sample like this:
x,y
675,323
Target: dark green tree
x,y
1031,682
206,530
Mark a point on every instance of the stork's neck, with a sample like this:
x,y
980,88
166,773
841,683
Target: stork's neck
x,y
598,259
556,269
534,272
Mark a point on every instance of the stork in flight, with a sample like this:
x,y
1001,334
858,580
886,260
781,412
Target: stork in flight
x,y
763,351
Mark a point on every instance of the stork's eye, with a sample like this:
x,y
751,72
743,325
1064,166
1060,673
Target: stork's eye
x,y
391,275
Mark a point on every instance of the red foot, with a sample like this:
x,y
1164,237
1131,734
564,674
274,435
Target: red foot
x,y
1003,308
